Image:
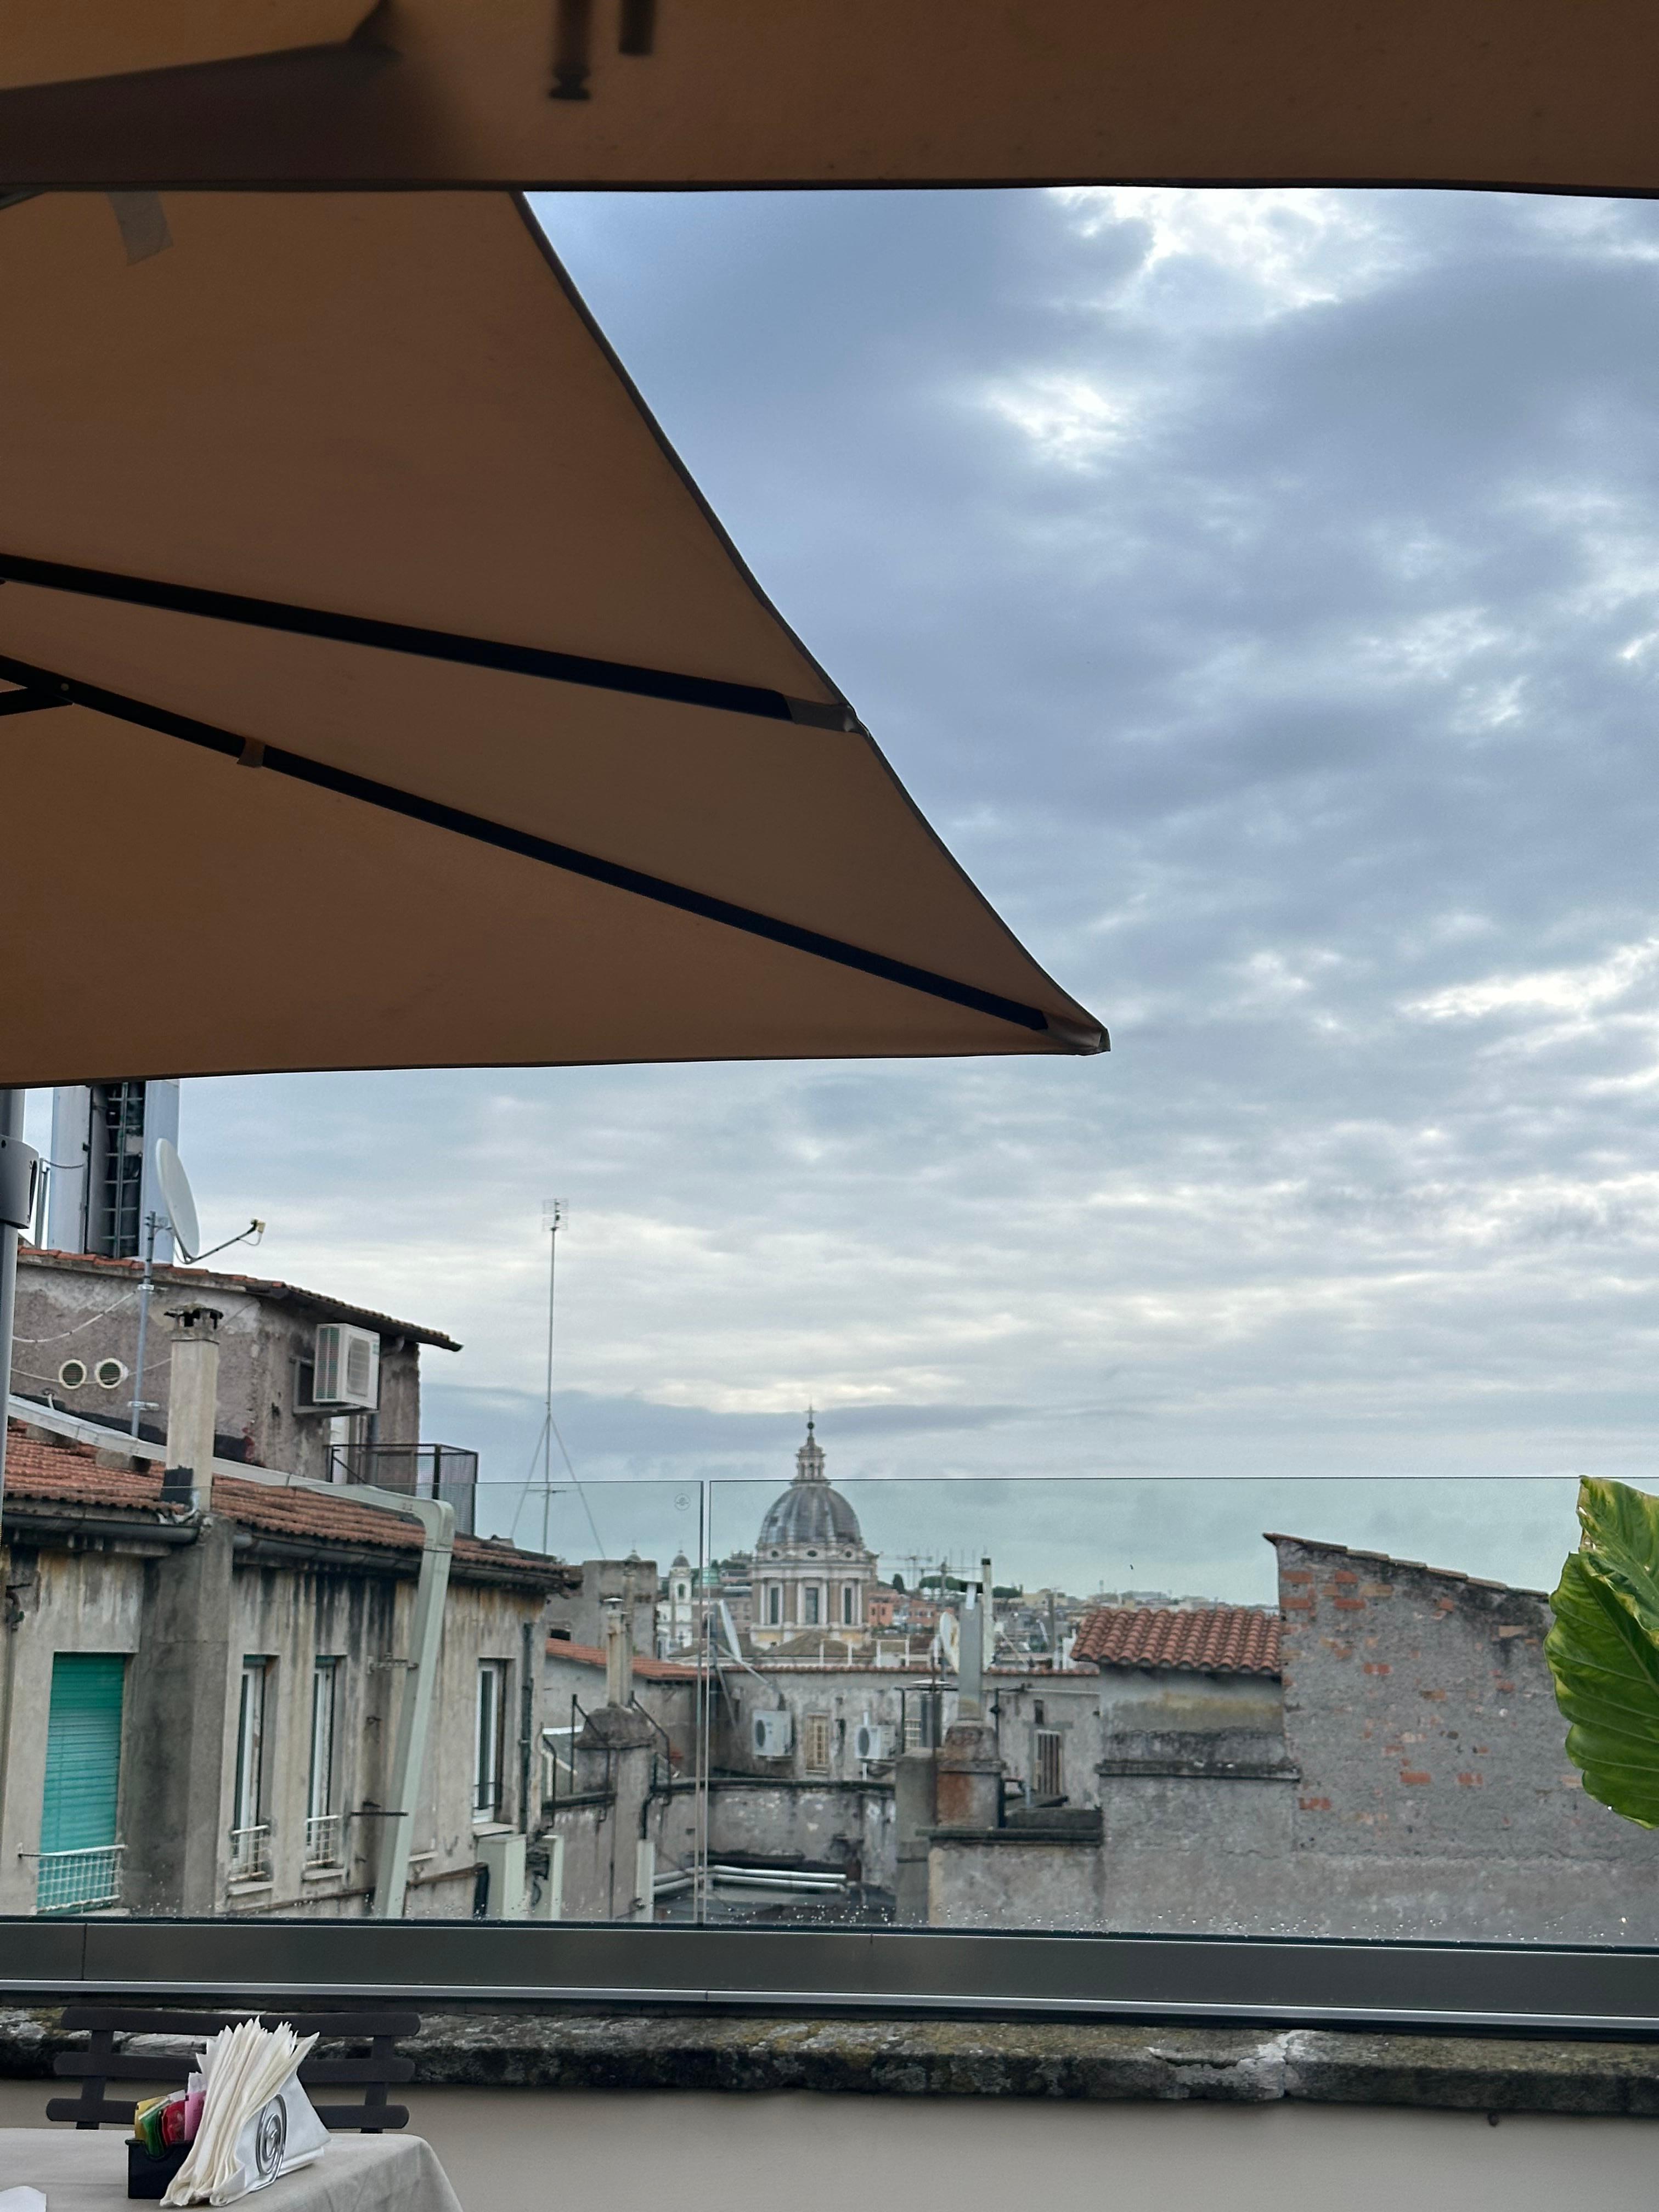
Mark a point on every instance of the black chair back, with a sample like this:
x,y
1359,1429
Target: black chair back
x,y
374,2070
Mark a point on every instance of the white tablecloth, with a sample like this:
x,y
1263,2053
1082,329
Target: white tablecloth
x,y
86,2172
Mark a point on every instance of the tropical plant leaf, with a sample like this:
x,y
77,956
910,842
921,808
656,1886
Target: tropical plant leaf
x,y
1603,1649
1621,1526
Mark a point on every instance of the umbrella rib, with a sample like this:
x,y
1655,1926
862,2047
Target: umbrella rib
x,y
28,703
325,776
428,644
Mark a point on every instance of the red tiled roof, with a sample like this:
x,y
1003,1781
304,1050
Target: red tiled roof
x,y
1216,1639
257,1286
648,1670
68,1474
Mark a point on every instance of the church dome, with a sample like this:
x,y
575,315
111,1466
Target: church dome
x,y
809,1513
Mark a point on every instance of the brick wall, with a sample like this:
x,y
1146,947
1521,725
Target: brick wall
x,y
1435,1789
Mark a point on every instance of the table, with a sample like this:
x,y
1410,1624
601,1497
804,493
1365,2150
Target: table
x,y
86,2172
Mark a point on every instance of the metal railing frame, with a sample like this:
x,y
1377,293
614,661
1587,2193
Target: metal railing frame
x,y
1537,1988
250,1852
46,1863
329,1824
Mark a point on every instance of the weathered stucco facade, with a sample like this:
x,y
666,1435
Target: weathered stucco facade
x,y
95,1561
1406,1776
72,1306
1436,1795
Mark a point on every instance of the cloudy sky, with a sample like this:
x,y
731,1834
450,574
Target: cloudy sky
x,y
1261,592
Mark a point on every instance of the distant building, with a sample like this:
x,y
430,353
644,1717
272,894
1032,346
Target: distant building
x,y
677,1607
1381,1755
1144,1601
575,1678
811,1567
581,1614
101,1186
200,1709
76,1348
881,1602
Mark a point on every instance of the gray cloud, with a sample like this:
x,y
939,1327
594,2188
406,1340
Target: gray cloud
x,y
1259,593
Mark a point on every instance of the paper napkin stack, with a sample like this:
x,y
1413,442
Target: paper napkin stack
x,y
257,2121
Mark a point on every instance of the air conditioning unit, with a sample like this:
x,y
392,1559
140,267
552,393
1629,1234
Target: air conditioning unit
x,y
347,1367
869,1741
773,1734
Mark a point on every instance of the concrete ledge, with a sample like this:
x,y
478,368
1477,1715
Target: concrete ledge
x,y
952,2058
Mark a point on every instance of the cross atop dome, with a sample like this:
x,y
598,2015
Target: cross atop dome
x,y
809,1460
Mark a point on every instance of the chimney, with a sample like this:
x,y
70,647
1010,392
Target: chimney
x,y
192,1402
618,1653
975,1650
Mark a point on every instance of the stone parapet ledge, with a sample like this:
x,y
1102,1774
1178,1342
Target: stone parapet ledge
x,y
1082,2062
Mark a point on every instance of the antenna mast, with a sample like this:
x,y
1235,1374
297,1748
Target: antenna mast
x,y
552,1221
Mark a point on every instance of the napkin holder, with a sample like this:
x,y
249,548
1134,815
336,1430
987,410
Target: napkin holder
x,y
147,2174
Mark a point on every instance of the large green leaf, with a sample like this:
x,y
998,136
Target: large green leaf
x,y
1603,1649
1621,1526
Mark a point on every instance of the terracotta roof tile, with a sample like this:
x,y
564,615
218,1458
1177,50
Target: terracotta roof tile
x,y
68,1474
648,1670
1217,1639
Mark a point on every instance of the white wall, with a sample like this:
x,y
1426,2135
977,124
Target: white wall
x,y
700,2153
712,2154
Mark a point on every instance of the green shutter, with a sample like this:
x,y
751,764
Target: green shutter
x,y
83,1751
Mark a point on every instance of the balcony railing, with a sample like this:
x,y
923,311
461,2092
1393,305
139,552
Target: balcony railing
x,y
441,1471
250,1853
77,1881
325,1839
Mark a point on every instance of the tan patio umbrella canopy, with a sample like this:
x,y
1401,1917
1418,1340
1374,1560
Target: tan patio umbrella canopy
x,y
1538,93
420,711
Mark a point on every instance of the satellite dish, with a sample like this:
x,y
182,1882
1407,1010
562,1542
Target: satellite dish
x,y
176,1198
949,1640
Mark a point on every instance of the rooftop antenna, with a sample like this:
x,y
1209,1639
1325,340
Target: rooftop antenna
x,y
180,1217
552,1221
177,1197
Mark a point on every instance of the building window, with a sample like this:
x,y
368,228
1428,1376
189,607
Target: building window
x,y
775,1603
250,1833
489,1762
815,1743
812,1596
79,1865
1049,1767
322,1825
849,1604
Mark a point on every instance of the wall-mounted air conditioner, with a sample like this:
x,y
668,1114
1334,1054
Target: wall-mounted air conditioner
x,y
774,1733
348,1367
869,1741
